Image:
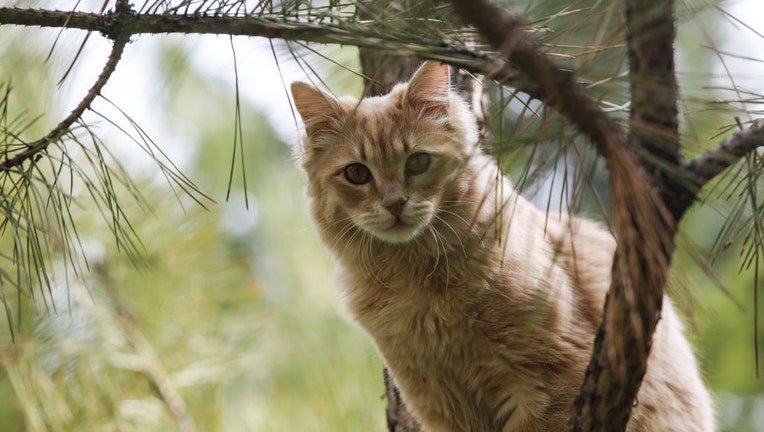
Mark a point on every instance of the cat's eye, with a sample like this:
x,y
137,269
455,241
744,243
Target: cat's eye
x,y
417,163
357,174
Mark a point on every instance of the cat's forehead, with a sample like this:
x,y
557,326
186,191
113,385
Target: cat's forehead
x,y
373,109
383,131
379,130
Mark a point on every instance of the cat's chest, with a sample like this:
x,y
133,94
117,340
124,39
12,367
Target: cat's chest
x,y
425,318
444,325
447,349
417,306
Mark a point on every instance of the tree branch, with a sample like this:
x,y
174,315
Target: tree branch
x,y
680,188
727,152
36,147
643,226
123,22
274,27
654,115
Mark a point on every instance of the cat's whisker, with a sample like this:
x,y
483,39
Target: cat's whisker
x,y
353,240
343,232
445,257
470,228
347,227
366,256
461,218
470,225
340,220
434,233
456,235
372,265
469,202
359,239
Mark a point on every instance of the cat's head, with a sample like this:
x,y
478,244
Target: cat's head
x,y
384,165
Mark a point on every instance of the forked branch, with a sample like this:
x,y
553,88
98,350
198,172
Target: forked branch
x,y
641,223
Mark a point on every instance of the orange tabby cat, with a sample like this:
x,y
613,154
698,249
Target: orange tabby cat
x,y
474,298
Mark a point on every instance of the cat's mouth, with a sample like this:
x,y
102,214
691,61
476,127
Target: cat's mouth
x,y
395,227
398,232
399,223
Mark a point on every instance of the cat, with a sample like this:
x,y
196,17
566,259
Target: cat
x,y
483,307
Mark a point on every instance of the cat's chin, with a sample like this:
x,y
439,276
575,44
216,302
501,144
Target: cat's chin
x,y
398,233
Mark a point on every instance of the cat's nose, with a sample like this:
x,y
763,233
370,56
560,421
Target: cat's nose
x,y
396,208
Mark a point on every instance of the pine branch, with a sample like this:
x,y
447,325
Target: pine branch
x,y
643,225
301,26
275,26
681,186
123,22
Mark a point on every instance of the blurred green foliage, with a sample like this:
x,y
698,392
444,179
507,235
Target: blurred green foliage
x,y
229,320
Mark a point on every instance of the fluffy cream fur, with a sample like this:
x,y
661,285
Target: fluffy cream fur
x,y
482,306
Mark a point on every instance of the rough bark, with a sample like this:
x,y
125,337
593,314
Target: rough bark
x,y
399,417
640,271
654,114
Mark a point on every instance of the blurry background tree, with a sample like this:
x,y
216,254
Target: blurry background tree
x,y
132,311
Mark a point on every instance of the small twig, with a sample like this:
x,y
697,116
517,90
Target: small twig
x,y
151,366
680,195
726,153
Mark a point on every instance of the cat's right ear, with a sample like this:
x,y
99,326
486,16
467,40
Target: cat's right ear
x,y
319,111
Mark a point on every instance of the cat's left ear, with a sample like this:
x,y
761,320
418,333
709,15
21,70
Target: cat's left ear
x,y
429,89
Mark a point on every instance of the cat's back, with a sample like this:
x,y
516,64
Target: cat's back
x,y
584,249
